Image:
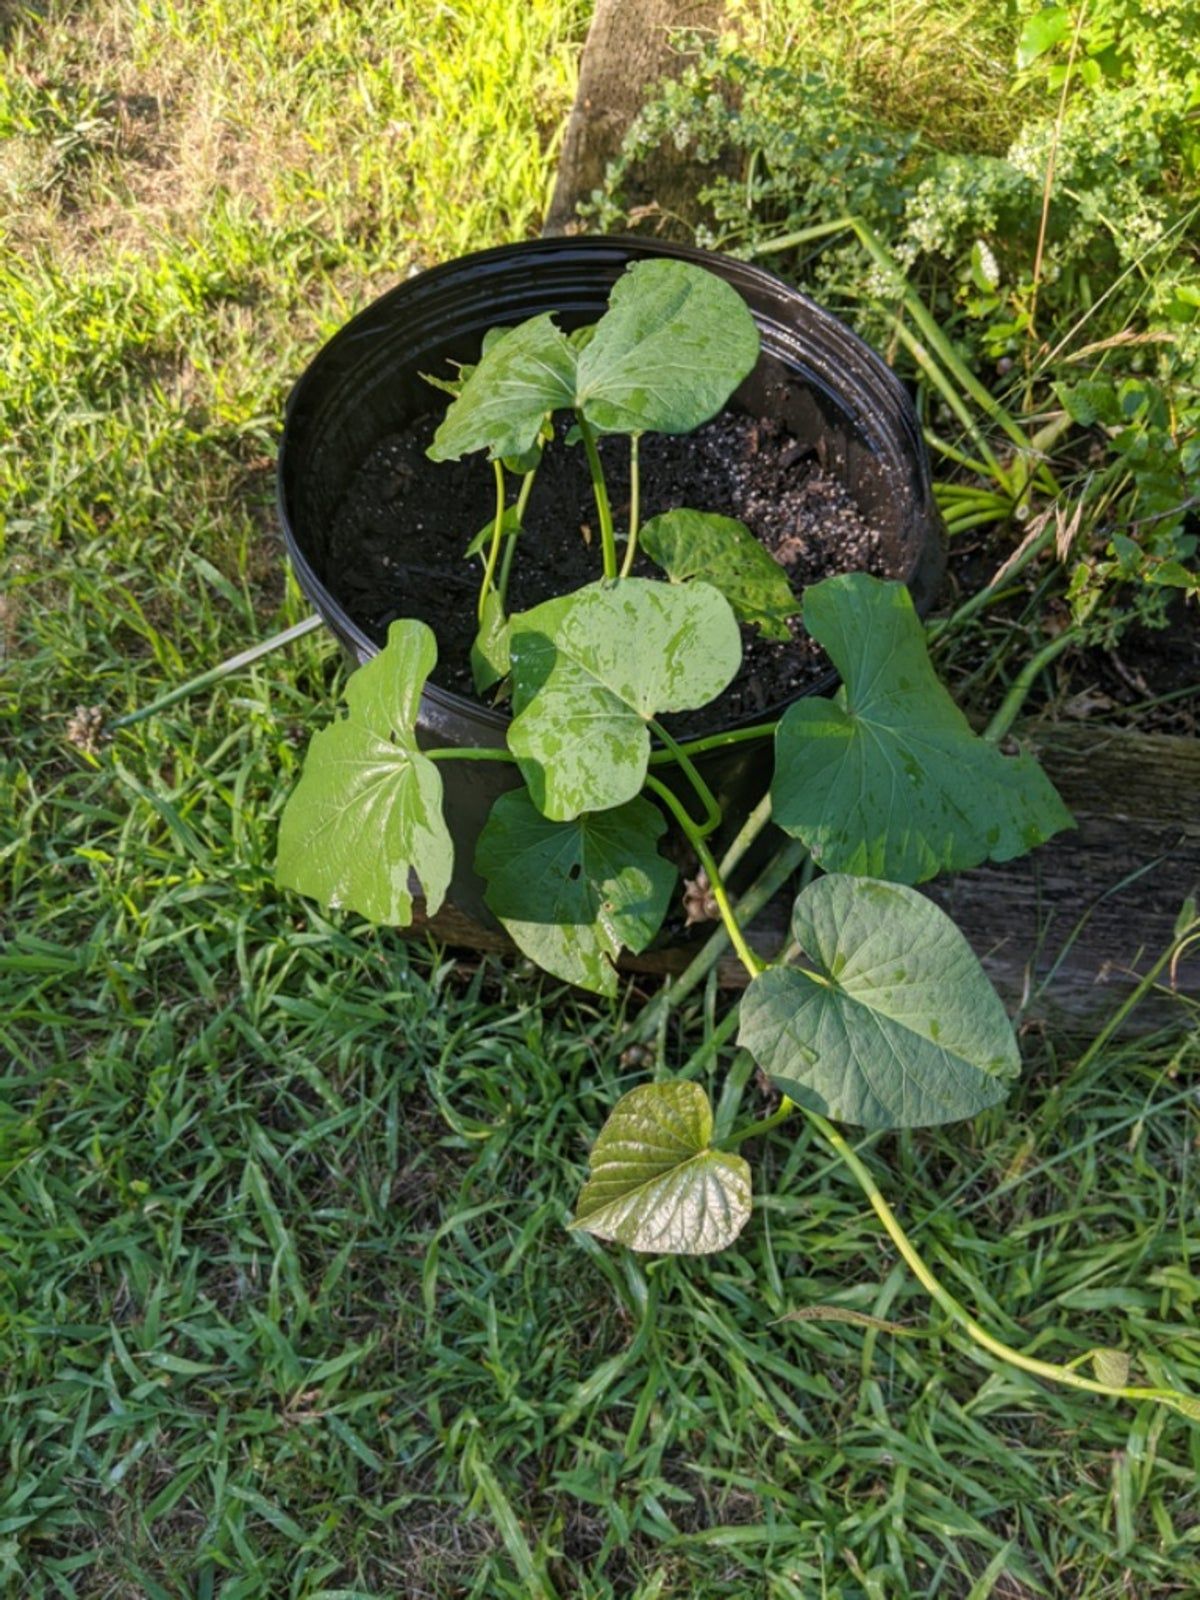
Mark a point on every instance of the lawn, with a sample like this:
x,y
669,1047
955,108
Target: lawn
x,y
289,1307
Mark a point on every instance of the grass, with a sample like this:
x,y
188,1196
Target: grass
x,y
289,1308
939,67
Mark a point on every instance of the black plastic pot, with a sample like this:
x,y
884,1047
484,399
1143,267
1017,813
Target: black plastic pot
x,y
822,381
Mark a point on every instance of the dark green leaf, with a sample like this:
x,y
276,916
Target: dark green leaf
x,y
656,1184
490,649
887,779
894,1025
527,373
572,894
672,347
723,552
368,808
591,668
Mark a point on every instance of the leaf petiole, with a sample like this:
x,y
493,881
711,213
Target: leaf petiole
x,y
712,808
489,571
958,1313
753,1129
745,955
714,741
510,548
634,495
608,543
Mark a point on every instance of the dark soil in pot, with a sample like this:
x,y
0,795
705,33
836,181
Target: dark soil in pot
x,y
409,519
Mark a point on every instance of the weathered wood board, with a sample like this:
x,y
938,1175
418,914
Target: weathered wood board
x,y
1066,932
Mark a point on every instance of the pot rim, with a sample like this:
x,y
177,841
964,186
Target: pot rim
x,y
605,247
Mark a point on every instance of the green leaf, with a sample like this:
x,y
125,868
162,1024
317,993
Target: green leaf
x,y
895,1025
672,347
1111,1367
656,1184
510,523
1041,32
490,649
589,671
572,894
522,376
1089,402
368,808
723,552
887,779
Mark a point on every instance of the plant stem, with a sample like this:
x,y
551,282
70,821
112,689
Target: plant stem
x,y
510,548
608,544
745,955
244,658
712,808
749,831
468,752
489,571
753,1129
957,1312
634,494
769,881
715,741
1018,693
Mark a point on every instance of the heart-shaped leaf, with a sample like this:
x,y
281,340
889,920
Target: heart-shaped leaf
x,y
572,894
368,807
672,347
896,1026
521,376
656,1185
723,552
589,671
888,779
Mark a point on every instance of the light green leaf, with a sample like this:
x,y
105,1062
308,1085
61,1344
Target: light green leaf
x,y
723,552
894,1026
1111,1367
368,808
572,894
589,671
522,376
672,347
490,649
656,1185
887,779
1041,32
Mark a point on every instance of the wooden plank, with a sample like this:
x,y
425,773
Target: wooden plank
x,y
628,51
1066,932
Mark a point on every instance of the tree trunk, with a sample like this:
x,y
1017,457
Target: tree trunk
x,y
628,51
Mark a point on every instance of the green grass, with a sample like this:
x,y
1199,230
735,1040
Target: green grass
x,y
289,1307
